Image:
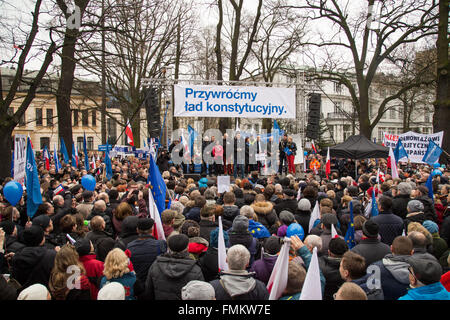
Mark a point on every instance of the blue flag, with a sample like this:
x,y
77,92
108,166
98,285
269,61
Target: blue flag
x,y
34,197
374,204
12,164
108,164
399,151
56,160
192,136
257,230
433,153
350,235
157,185
63,150
86,158
429,185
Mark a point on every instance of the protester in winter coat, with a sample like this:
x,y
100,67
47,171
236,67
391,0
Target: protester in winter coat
x,y
172,271
303,213
197,245
97,233
370,247
194,213
286,219
11,243
129,232
263,267
230,210
414,212
289,202
400,201
239,234
94,268
100,210
424,280
393,269
207,221
236,283
266,213
117,269
422,196
122,211
34,263
390,225
329,265
145,248
439,245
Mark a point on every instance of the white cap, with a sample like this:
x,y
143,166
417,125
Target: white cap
x,y
198,290
112,291
34,292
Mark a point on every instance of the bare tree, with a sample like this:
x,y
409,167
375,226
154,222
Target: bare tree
x,y
369,44
22,40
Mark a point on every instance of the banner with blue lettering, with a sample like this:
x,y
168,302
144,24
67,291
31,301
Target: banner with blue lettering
x,y
234,101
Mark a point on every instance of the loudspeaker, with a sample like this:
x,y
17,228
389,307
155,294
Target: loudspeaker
x,y
312,128
153,112
314,114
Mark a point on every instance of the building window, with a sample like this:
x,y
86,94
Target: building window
x,y
75,118
338,107
94,118
427,116
112,130
90,143
337,87
393,114
38,116
45,141
85,118
49,117
80,143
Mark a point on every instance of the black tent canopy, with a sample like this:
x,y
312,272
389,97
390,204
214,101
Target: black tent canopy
x,y
358,147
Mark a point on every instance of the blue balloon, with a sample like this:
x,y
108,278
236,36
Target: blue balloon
x,y
13,192
88,182
305,153
436,172
436,165
295,229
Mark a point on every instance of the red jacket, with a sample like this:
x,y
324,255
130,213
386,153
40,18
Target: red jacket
x,y
445,280
94,269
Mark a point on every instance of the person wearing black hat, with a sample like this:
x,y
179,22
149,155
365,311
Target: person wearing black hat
x,y
370,247
12,244
263,267
34,263
145,248
172,271
289,202
329,265
424,281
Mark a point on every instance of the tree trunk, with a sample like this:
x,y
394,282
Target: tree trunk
x,y
441,117
364,118
7,147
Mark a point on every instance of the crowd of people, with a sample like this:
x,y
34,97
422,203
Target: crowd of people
x,y
101,245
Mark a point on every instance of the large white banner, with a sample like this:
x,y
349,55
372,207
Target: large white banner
x,y
415,144
20,157
234,101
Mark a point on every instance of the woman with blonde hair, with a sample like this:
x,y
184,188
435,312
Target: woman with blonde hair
x,y
68,279
117,270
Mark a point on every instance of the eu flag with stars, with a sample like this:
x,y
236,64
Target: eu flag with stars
x,y
374,204
34,197
350,235
157,185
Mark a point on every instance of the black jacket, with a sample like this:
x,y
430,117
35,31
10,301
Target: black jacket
x,y
169,273
287,204
390,226
208,262
144,253
303,217
247,240
429,210
12,244
107,218
33,265
372,250
330,270
399,205
206,227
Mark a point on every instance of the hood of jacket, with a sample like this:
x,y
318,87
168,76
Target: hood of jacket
x,y
237,283
175,265
263,208
230,211
434,291
398,267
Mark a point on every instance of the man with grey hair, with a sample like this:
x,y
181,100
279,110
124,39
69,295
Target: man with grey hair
x,y
420,243
100,210
400,201
414,213
178,207
312,241
237,283
248,212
